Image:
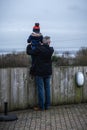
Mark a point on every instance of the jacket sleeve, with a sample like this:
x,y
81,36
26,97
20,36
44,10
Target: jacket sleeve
x,y
29,50
29,39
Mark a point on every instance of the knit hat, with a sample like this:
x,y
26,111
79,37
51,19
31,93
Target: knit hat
x,y
36,28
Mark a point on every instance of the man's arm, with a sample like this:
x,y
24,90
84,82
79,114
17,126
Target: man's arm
x,y
52,50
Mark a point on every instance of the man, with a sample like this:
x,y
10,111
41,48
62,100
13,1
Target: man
x,y
43,71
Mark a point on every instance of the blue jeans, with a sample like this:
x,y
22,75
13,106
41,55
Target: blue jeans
x,y
43,87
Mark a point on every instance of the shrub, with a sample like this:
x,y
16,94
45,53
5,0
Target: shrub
x,y
81,57
14,60
24,60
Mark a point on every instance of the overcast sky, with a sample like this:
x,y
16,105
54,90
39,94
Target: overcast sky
x,y
64,20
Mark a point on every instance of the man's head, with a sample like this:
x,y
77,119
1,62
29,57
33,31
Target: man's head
x,y
46,40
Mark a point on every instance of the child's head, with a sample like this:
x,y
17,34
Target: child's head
x,y
36,28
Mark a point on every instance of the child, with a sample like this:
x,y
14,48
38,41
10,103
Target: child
x,y
35,39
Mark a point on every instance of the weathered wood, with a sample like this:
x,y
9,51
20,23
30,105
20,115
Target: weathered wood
x,y
55,86
71,85
19,89
64,81
85,86
32,91
4,86
78,90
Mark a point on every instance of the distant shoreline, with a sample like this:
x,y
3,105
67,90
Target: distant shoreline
x,y
17,50
57,51
11,50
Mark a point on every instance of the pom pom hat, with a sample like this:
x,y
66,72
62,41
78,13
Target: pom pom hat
x,y
36,28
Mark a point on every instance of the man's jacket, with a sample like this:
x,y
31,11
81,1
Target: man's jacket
x,y
43,63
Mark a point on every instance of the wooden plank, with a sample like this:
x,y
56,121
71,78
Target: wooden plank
x,y
4,87
85,85
62,84
51,86
71,85
14,88
65,76
22,88
25,76
56,86
32,91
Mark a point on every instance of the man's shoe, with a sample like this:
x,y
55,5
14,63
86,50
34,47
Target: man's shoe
x,y
37,109
46,108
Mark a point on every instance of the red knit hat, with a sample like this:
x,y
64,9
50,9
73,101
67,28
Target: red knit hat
x,y
36,28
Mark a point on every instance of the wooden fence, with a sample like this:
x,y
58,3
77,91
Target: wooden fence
x,y
19,90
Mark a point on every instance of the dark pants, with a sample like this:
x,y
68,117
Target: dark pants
x,y
43,87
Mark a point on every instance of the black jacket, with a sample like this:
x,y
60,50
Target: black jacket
x,y
43,63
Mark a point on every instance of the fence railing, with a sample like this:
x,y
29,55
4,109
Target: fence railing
x,y
18,89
